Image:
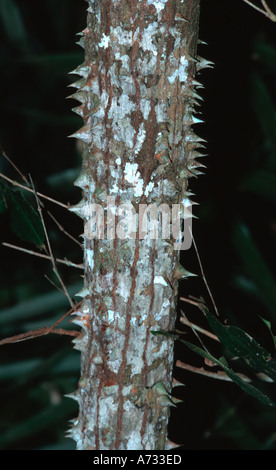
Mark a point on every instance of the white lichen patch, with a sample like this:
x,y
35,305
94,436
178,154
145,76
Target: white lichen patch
x,y
124,286
104,41
140,139
122,36
145,108
132,176
124,59
110,316
164,310
160,280
181,71
90,258
159,4
120,107
148,35
161,113
149,188
134,441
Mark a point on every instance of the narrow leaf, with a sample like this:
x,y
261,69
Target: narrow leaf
x,y
13,24
255,266
248,388
262,183
25,221
240,344
266,114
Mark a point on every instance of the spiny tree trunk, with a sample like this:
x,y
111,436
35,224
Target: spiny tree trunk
x,y
137,95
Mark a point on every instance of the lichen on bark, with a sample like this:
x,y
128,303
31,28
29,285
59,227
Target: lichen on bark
x,y
138,95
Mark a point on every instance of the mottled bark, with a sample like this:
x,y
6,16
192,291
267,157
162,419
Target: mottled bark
x,y
137,95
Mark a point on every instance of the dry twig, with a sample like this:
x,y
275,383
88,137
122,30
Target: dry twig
x,y
35,253
50,249
266,11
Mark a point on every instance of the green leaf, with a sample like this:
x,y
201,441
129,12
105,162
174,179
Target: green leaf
x,y
37,306
262,183
25,220
268,324
13,24
48,417
255,266
17,369
49,119
266,53
266,114
3,191
57,62
245,386
164,333
240,344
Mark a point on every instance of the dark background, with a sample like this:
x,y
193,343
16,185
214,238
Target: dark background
x,y
234,232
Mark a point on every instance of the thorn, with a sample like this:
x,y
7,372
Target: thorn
x,y
194,164
81,43
160,388
82,70
78,84
204,64
196,154
196,96
80,343
197,84
202,42
83,134
79,323
83,292
78,110
73,395
171,445
79,209
196,120
181,273
82,180
164,400
176,383
191,58
78,96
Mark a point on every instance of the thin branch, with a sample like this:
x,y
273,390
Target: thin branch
x,y
64,231
28,188
53,284
65,315
221,375
185,321
271,15
14,166
44,330
15,183
35,253
194,330
200,305
267,11
37,333
203,275
50,249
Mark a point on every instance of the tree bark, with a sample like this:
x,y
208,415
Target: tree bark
x,y
137,93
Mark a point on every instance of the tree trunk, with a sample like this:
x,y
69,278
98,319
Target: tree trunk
x,y
137,95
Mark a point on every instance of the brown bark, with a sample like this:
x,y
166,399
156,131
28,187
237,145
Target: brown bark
x,y
137,94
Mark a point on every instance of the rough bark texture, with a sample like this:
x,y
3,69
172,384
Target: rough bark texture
x,y
137,95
